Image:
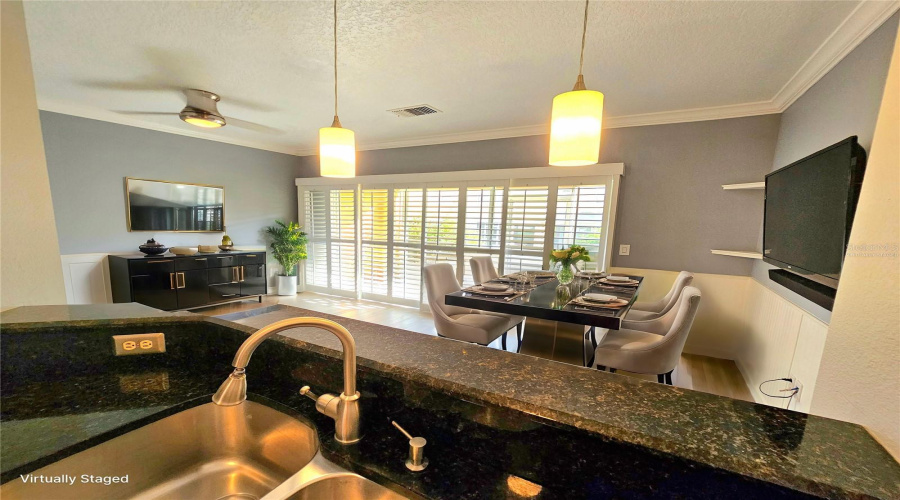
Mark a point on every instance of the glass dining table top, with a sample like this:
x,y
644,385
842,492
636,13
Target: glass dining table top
x,y
549,300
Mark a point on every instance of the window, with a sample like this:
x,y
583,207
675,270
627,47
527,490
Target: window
x,y
483,232
372,240
526,227
579,217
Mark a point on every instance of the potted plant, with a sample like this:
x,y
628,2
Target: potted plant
x,y
566,259
288,248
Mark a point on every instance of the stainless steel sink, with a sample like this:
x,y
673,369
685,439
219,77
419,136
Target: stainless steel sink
x,y
243,452
345,487
210,452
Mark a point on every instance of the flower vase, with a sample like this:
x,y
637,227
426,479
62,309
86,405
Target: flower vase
x,y
566,274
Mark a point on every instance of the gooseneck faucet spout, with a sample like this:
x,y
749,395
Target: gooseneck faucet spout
x,y
344,409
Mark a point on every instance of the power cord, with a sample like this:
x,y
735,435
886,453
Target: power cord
x,y
794,390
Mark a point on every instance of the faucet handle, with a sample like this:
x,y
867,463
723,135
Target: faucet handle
x,y
307,391
416,461
326,404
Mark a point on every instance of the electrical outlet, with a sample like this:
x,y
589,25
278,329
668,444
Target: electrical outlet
x,y
796,399
141,343
624,249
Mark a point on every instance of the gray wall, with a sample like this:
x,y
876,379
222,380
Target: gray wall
x,y
844,102
88,161
672,208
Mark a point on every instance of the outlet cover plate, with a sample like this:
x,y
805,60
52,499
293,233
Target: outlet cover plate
x,y
624,249
141,343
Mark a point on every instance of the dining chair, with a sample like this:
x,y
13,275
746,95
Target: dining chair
x,y
644,311
655,351
483,269
460,323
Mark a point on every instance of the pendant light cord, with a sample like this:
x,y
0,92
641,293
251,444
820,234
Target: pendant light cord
x,y
583,36
335,61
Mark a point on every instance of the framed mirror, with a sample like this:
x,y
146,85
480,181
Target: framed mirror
x,y
174,206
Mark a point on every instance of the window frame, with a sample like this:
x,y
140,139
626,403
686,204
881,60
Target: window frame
x,y
609,175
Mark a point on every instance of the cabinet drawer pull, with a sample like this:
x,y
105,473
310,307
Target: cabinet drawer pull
x,y
242,273
234,275
182,283
158,261
223,257
250,255
228,294
204,258
171,281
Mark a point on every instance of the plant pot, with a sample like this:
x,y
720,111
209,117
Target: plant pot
x,y
287,285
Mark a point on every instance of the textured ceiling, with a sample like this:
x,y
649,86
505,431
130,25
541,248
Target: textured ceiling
x,y
486,65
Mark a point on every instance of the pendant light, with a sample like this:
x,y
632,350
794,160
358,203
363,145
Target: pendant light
x,y
576,119
337,145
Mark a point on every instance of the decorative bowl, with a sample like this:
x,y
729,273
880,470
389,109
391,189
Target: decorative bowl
x,y
183,250
226,248
152,247
207,248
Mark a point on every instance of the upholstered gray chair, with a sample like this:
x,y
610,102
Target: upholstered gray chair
x,y
460,323
655,351
644,311
483,269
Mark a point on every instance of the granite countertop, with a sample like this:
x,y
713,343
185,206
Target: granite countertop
x,y
805,453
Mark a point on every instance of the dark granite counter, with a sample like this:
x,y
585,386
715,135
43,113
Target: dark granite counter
x,y
493,419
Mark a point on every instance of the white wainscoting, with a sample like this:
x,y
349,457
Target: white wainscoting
x,y
767,336
783,341
86,277
721,323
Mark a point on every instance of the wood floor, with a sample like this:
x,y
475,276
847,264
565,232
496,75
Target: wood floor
x,y
700,373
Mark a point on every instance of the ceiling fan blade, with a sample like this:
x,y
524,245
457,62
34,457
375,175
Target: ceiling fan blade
x,y
147,113
256,127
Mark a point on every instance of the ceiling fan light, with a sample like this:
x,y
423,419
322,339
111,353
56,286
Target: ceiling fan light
x,y
200,118
337,152
575,127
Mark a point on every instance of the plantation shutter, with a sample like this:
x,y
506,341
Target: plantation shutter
x,y
406,254
483,232
527,226
580,216
374,227
315,222
442,226
342,239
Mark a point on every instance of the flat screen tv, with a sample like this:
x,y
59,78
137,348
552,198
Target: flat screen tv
x,y
174,206
809,210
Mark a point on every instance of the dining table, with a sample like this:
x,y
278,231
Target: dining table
x,y
556,323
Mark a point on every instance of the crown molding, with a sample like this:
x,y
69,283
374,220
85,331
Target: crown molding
x,y
868,16
104,115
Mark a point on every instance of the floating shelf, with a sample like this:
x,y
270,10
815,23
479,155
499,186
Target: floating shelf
x,y
738,253
746,185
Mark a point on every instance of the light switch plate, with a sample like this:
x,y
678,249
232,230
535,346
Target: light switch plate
x,y
624,249
141,343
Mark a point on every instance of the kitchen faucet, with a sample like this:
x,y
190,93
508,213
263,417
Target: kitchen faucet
x,y
344,409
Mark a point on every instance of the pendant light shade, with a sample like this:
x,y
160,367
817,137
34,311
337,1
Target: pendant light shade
x,y
337,145
575,128
337,151
576,121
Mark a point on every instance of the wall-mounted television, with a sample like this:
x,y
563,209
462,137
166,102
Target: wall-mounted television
x,y
809,210
174,206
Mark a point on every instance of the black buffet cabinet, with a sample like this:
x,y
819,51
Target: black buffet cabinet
x,y
171,282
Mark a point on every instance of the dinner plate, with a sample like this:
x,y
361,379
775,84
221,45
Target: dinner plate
x,y
618,278
481,290
618,304
591,274
599,297
494,287
624,283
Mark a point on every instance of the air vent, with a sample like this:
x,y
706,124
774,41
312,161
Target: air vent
x,y
412,111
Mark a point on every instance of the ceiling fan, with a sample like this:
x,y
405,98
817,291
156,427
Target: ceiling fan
x,y
202,111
